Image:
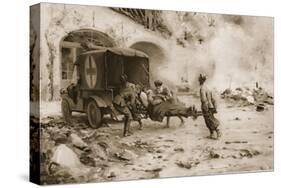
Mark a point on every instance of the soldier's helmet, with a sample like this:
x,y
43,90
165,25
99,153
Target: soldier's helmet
x,y
123,78
202,78
158,83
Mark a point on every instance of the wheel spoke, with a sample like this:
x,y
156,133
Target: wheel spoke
x,y
94,114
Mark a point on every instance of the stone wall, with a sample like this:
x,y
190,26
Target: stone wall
x,y
57,20
198,42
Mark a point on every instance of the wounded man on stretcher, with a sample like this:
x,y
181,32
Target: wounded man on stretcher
x,y
159,105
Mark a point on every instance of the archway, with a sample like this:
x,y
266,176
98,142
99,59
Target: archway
x,y
156,55
76,42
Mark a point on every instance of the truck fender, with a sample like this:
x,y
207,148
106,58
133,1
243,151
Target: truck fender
x,y
100,102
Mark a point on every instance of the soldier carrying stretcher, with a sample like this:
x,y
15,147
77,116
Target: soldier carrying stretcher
x,y
209,108
125,104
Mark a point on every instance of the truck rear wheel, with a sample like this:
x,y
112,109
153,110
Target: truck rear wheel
x,y
94,114
66,111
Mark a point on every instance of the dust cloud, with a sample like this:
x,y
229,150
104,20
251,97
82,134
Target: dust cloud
x,y
234,51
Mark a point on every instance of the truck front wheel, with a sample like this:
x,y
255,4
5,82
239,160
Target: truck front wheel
x,y
94,114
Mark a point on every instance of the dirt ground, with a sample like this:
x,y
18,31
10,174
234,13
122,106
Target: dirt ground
x,y
158,152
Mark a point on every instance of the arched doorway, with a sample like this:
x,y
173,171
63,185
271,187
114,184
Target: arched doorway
x,y
156,55
75,43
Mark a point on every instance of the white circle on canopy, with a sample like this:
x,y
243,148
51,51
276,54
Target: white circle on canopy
x,y
91,71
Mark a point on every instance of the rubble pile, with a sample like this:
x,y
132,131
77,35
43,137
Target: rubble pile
x,y
74,153
246,97
188,163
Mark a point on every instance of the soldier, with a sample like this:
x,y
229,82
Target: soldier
x,y
73,88
161,91
209,108
124,103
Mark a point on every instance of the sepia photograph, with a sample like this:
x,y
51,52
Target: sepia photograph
x,y
128,94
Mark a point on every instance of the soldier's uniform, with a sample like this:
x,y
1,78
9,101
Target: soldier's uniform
x,y
124,103
209,107
160,93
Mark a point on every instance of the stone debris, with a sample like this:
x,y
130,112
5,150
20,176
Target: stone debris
x,y
169,140
98,152
77,141
87,159
260,107
89,135
236,142
60,138
66,157
104,146
179,149
59,176
244,153
182,164
160,151
155,172
141,144
70,148
250,99
126,155
111,175
213,155
246,97
102,134
248,154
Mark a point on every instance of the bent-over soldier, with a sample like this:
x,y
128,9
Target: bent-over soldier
x,y
209,108
124,103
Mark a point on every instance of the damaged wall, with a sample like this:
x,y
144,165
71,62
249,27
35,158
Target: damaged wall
x,y
34,63
228,48
34,53
59,20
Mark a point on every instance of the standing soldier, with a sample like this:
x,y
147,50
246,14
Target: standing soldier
x,y
209,108
124,103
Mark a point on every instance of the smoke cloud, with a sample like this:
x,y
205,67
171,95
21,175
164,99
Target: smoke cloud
x,y
234,51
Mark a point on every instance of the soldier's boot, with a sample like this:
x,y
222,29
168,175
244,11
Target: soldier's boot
x,y
193,113
140,124
182,121
168,122
212,135
219,134
129,132
125,131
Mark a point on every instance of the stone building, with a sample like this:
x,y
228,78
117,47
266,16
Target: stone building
x,y
63,27
174,40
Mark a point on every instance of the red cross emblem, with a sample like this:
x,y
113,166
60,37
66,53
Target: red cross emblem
x,y
91,71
